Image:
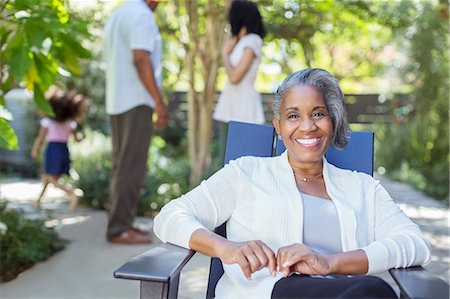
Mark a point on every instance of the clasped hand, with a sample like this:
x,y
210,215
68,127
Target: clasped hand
x,y
253,256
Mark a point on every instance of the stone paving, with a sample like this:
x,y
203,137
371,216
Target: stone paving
x,y
433,217
84,269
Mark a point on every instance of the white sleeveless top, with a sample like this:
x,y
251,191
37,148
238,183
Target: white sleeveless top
x,y
241,102
321,229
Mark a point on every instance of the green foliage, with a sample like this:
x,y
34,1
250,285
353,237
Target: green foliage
x,y
344,37
92,83
167,174
92,160
39,41
167,177
8,138
417,151
23,242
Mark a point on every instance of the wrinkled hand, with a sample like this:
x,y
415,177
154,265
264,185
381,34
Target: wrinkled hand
x,y
162,116
229,45
299,258
251,256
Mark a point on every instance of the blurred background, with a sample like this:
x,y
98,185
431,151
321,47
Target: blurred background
x,y
391,57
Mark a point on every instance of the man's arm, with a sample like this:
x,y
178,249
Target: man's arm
x,y
144,67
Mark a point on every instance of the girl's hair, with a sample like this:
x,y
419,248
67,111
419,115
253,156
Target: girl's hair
x,y
328,86
245,14
70,105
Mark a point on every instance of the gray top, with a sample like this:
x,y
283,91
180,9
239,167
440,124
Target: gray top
x,y
321,229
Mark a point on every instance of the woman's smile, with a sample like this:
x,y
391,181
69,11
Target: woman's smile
x,y
308,141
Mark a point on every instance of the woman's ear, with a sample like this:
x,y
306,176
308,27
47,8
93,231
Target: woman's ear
x,y
276,125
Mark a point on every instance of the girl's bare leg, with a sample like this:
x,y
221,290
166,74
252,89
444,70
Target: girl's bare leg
x,y
45,182
74,199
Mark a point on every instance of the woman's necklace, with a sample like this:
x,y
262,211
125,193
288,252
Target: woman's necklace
x,y
306,180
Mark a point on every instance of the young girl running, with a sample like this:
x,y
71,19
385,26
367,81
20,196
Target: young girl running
x,y
69,108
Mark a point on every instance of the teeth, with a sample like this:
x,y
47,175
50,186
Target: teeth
x,y
308,141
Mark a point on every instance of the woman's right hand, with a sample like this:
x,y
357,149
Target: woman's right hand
x,y
229,45
251,256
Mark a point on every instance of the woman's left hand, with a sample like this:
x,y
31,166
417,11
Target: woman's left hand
x,y
299,258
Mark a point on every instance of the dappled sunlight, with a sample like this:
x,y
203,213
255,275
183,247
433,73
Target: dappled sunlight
x,y
54,207
27,190
66,221
425,212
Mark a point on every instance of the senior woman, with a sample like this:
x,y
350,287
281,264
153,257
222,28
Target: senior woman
x,y
297,226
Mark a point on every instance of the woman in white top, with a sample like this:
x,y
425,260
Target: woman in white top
x,y
241,56
296,224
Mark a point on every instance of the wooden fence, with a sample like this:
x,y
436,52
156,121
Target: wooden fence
x,y
361,108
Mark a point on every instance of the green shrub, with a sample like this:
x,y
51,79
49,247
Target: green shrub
x,y
416,144
416,153
166,178
24,242
92,161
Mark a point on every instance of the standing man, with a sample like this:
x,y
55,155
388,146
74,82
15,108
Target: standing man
x,y
133,49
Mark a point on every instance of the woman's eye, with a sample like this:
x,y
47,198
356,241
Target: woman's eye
x,y
318,114
292,116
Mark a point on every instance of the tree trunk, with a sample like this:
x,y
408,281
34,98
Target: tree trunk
x,y
203,61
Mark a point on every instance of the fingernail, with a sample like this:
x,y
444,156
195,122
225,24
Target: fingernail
x,y
286,264
249,278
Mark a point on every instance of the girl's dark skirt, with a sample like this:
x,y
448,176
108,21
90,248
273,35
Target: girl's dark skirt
x,y
57,158
304,286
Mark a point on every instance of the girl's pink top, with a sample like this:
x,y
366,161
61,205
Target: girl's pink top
x,y
58,131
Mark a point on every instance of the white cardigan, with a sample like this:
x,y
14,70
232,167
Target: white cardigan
x,y
259,199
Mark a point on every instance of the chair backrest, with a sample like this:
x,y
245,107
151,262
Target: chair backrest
x,y
261,140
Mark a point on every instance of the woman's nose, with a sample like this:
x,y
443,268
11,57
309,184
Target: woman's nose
x,y
307,124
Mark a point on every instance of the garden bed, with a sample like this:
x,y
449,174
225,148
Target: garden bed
x,y
24,242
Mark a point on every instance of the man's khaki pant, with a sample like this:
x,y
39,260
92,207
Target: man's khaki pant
x,y
130,132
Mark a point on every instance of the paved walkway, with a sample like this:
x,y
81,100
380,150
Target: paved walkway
x,y
84,269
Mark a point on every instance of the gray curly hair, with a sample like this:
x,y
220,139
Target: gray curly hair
x,y
328,86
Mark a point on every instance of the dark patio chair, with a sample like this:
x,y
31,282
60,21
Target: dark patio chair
x,y
158,269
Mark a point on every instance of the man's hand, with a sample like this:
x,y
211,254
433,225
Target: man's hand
x,y
162,115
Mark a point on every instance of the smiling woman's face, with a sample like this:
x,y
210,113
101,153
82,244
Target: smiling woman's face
x,y
304,125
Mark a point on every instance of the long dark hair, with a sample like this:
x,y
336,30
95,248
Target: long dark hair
x,y
245,14
65,105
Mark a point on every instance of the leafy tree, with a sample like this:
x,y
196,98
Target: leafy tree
x,y
344,37
39,40
419,152
92,82
198,26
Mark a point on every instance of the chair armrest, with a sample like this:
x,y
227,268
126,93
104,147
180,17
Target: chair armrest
x,y
416,282
159,264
